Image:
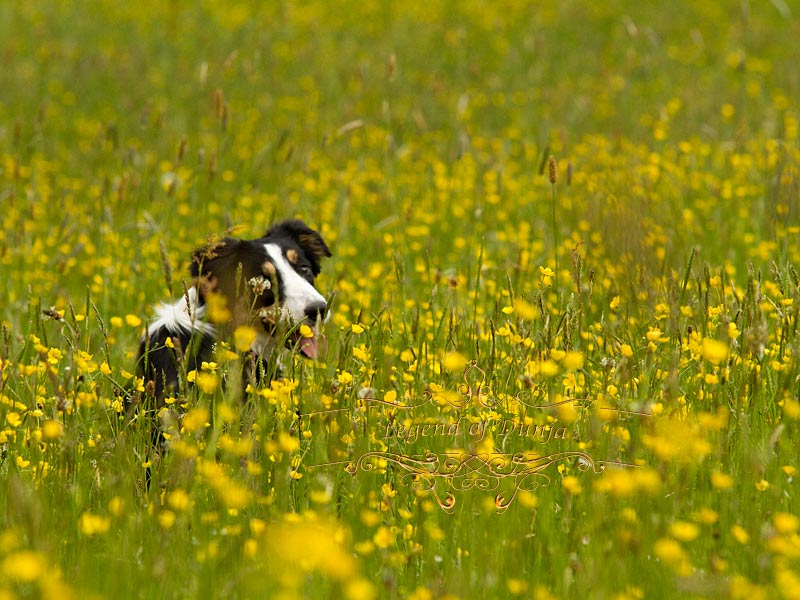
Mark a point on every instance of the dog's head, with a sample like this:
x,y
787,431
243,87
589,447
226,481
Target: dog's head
x,y
268,281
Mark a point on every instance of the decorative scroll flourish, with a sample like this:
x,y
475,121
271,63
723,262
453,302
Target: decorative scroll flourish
x,y
505,474
447,473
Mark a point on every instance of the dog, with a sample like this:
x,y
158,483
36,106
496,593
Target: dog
x,y
266,284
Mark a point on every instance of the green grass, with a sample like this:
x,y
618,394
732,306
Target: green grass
x,y
644,337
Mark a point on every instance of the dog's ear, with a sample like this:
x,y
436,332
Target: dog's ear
x,y
215,258
309,240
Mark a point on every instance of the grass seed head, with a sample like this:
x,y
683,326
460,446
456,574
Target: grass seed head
x,y
552,170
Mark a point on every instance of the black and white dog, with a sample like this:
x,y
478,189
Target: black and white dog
x,y
266,283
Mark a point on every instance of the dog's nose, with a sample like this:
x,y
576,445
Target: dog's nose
x,y
316,311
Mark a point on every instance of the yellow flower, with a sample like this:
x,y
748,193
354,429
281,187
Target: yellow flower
x,y
791,408
116,506
407,356
525,310
516,587
566,412
705,515
605,411
714,351
226,354
454,361
217,309
243,337
308,545
383,538
133,320
54,355
741,588
360,353
52,430
234,495
207,382
23,567
369,517
179,500
542,593
672,554
357,328
679,441
572,485
739,534
250,548
359,589
90,524
785,522
721,481
287,443
257,526
727,110
683,531
573,360
166,519
548,368
319,496
421,594
196,419
627,482
653,335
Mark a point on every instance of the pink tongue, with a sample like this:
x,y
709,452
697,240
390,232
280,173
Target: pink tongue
x,y
310,347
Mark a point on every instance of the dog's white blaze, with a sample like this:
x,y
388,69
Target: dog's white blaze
x,y
178,317
298,294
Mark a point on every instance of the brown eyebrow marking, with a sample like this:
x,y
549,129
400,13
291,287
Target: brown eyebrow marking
x,y
268,268
292,256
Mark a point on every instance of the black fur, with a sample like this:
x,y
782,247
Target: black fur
x,y
306,239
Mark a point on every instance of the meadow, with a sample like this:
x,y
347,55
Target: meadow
x,y
563,349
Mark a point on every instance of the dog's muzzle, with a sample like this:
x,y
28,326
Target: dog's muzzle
x,y
315,345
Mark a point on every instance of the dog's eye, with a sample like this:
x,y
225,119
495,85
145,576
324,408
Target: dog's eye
x,y
304,270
